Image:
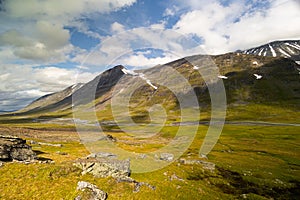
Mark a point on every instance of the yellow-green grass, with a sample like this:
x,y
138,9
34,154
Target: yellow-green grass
x,y
249,159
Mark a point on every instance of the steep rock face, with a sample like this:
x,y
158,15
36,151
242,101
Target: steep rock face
x,y
14,148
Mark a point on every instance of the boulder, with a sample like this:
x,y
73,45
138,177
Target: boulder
x,y
102,155
137,185
49,144
206,165
166,157
109,167
14,148
101,167
109,138
95,192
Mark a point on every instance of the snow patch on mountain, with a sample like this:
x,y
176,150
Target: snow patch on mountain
x,y
287,49
126,71
141,75
260,52
284,53
272,50
293,45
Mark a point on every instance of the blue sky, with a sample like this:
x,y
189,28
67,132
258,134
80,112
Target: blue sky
x,y
46,46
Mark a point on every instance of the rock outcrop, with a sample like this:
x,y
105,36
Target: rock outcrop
x,y
166,157
101,167
95,192
45,144
14,148
102,155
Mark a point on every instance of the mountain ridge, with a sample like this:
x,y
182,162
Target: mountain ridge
x,y
283,48
230,65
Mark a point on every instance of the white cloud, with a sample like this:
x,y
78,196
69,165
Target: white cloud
x,y
30,25
61,9
117,27
52,35
14,38
142,61
22,84
171,11
227,28
123,44
82,67
45,42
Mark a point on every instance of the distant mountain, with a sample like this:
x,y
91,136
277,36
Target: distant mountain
x,y
6,111
288,49
52,98
63,100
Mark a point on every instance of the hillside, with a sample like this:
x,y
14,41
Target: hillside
x,y
278,85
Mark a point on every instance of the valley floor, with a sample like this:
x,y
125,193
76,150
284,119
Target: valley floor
x,y
252,161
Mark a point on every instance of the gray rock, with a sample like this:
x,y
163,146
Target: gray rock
x,y
14,148
96,193
102,155
109,138
175,177
33,142
49,144
206,165
142,156
118,169
101,167
138,185
166,156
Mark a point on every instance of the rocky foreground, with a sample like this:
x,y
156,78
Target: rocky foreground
x,y
14,148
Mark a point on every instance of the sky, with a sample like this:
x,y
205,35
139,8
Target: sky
x,y
48,45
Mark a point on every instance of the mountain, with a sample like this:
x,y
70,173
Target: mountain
x,y
287,48
64,99
53,98
278,83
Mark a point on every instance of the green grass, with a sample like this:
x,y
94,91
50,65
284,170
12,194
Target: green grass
x,y
250,160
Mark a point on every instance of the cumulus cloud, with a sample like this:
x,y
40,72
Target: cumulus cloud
x,y
117,27
14,38
22,84
226,28
140,60
45,42
171,11
36,29
61,9
124,44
